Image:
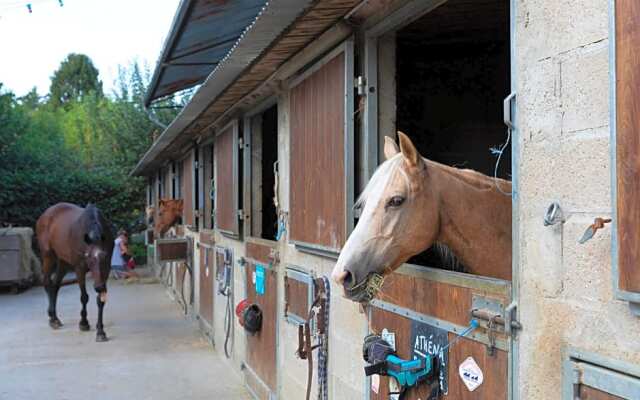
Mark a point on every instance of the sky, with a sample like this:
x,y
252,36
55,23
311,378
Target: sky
x,y
110,32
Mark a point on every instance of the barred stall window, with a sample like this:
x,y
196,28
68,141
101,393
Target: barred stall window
x,y
298,292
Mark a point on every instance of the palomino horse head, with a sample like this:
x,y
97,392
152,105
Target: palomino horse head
x,y
169,212
99,245
391,228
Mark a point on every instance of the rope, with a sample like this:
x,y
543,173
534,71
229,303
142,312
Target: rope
x,y
282,228
499,153
227,326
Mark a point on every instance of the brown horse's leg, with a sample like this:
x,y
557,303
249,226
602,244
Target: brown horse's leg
x,y
48,268
101,336
84,299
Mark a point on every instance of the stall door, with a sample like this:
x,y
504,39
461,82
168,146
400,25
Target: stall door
x,y
423,311
599,378
262,287
206,285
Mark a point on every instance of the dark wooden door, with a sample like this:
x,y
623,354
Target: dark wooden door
x,y
262,347
589,393
628,143
206,285
424,309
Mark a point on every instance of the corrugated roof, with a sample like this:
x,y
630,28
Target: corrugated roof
x,y
280,31
202,33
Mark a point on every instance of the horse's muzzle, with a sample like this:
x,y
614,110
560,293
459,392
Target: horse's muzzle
x,y
365,291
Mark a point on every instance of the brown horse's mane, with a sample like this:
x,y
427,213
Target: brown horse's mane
x,y
471,177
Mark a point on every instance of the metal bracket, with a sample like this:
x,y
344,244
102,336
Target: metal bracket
x,y
493,306
506,111
495,317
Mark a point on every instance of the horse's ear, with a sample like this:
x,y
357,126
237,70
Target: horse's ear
x,y
409,150
390,148
161,203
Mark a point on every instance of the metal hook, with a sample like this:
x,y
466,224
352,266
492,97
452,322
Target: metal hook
x,y
553,215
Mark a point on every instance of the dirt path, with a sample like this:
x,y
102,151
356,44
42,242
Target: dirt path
x,y
153,352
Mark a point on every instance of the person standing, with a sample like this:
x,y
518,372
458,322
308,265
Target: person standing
x,y
120,255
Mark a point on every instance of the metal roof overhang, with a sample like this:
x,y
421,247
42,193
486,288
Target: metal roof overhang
x,y
202,33
281,29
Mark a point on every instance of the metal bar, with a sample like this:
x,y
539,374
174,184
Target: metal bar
x,y
486,316
513,383
247,201
370,147
608,381
298,275
316,249
481,283
349,133
442,324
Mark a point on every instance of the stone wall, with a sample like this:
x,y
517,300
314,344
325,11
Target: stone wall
x,y
566,291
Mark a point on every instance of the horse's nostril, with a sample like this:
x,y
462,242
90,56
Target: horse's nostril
x,y
347,280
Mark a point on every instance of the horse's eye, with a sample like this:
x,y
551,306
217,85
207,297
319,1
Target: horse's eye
x,y
395,201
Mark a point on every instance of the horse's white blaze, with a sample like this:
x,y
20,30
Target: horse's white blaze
x,y
368,226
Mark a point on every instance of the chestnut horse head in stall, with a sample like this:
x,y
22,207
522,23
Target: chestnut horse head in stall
x,y
412,203
169,213
77,239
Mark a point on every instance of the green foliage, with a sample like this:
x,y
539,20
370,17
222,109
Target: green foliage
x,y
75,79
79,153
139,252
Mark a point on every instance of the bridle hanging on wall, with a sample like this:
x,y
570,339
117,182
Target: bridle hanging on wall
x,y
320,309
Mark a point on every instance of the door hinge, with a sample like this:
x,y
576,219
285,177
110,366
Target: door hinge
x,y
360,83
242,215
240,143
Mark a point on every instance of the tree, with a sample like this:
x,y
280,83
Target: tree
x,y
12,121
75,79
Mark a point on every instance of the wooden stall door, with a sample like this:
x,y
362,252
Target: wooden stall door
x,y
424,308
226,190
206,285
320,178
627,87
261,348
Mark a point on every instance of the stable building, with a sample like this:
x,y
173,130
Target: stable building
x,y
287,126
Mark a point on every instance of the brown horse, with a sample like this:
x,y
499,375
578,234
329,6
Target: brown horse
x,y
169,213
78,239
412,203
